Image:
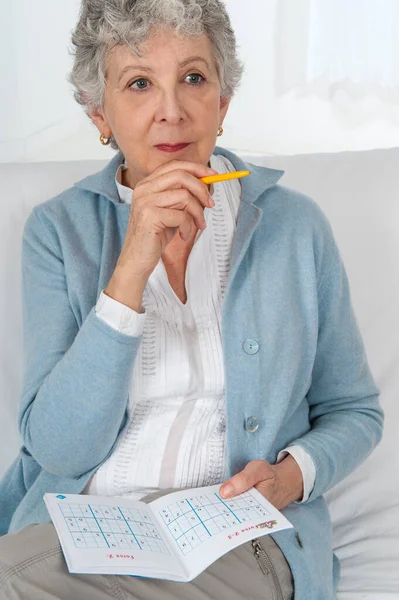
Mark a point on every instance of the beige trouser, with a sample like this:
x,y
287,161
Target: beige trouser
x,y
32,567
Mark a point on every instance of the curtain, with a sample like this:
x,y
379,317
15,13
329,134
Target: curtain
x,y
325,46
354,40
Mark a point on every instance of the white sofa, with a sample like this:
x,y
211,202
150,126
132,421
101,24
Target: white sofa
x,y
359,193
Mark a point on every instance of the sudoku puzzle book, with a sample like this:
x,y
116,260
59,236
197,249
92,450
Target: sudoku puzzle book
x,y
174,537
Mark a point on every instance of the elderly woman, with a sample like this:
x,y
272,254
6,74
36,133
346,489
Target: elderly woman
x,y
179,336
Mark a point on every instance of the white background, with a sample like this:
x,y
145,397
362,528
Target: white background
x,y
271,114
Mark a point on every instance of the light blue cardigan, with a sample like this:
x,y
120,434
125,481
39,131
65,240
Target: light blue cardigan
x,y
308,384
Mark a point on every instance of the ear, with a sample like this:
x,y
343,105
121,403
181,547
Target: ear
x,y
224,106
99,120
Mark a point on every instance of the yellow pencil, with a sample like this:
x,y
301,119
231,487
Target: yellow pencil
x,y
225,176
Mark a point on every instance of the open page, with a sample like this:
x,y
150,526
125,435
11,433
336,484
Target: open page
x,y
99,534
202,526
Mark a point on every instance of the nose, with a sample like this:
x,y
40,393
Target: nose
x,y
170,107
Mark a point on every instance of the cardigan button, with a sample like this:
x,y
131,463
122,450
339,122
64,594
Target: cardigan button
x,y
251,424
251,346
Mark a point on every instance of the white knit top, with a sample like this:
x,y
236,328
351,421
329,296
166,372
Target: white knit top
x,y
176,431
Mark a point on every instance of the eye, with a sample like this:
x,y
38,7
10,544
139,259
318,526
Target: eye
x,y
140,82
195,76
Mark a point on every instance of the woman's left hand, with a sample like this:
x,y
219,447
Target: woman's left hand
x,y
281,484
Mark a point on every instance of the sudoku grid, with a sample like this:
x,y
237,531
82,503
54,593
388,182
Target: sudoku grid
x,y
195,519
96,526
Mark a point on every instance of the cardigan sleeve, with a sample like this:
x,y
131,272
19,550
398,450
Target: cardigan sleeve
x,y
76,380
345,416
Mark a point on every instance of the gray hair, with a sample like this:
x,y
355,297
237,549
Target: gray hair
x,y
104,24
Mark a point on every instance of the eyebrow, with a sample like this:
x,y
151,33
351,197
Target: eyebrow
x,y
149,70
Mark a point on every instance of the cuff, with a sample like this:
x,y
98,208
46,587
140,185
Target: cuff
x,y
119,317
306,465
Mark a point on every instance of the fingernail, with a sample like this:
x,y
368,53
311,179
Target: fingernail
x,y
227,490
211,201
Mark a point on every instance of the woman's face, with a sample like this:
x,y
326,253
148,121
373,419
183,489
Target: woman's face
x,y
170,95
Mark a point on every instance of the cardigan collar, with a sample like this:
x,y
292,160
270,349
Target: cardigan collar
x,y
253,186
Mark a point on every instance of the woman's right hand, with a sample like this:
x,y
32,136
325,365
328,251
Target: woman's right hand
x,y
170,200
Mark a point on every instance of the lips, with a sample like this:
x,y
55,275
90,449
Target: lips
x,y
171,147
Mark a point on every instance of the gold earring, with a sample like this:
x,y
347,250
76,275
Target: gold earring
x,y
105,141
220,131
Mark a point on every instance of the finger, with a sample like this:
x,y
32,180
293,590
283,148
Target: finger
x,y
197,169
177,180
250,476
179,219
182,200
